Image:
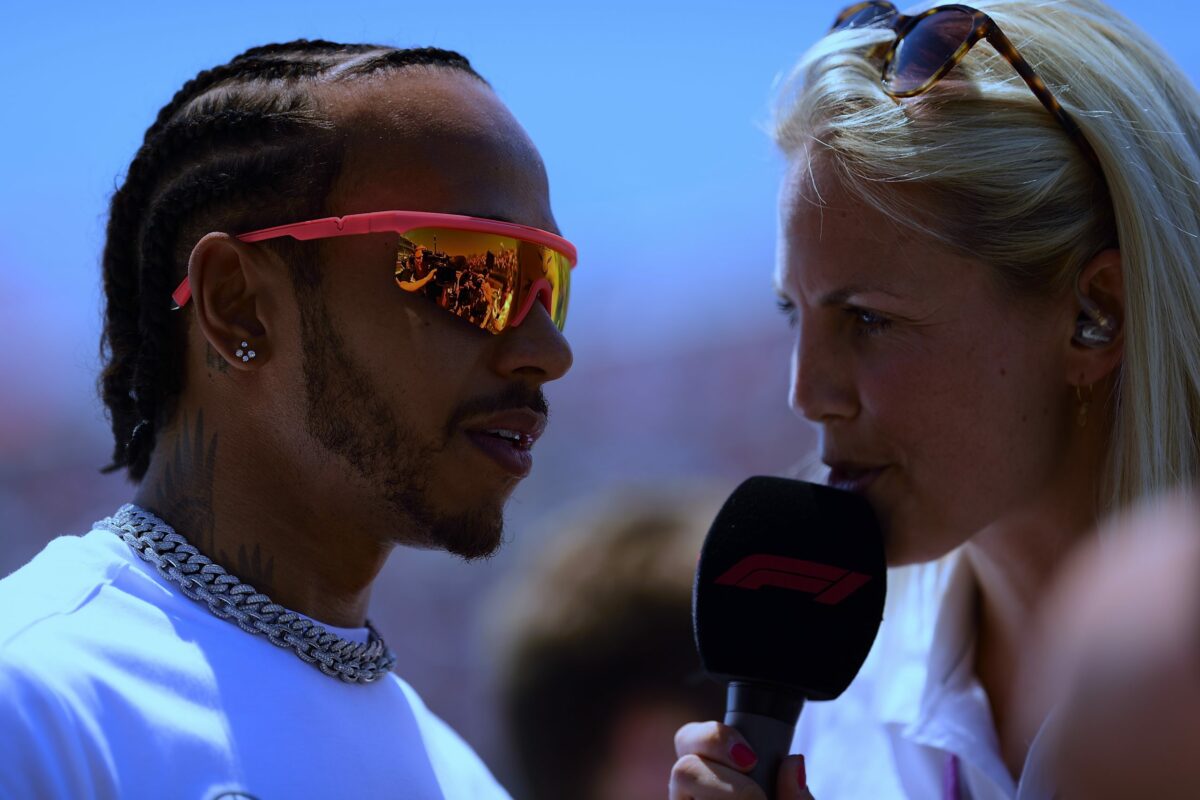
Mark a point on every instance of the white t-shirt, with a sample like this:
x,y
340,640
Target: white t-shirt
x,y
915,705
113,684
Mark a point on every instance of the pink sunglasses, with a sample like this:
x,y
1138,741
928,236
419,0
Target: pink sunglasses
x,y
486,272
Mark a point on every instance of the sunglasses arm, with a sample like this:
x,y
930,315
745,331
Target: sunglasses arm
x,y
1005,47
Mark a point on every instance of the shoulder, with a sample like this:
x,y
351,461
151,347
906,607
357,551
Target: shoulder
x,y
74,618
52,746
459,769
60,580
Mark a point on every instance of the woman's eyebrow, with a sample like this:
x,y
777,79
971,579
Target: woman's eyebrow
x,y
838,297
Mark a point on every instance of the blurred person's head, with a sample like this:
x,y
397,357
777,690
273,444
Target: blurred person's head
x,y
354,392
1118,656
598,666
989,320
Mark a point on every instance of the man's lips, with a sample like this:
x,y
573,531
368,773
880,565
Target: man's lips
x,y
520,426
852,476
508,437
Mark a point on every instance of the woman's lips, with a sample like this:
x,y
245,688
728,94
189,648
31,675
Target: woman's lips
x,y
853,478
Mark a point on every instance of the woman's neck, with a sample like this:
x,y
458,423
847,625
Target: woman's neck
x,y
1014,561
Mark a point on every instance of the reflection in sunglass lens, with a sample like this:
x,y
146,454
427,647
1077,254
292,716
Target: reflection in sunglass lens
x,y
864,14
483,279
926,48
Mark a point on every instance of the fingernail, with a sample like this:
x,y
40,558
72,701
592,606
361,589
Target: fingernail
x,y
743,756
802,774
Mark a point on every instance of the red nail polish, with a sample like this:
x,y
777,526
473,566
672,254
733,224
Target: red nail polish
x,y
802,774
743,756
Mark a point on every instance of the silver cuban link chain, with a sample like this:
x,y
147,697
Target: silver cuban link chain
x,y
228,598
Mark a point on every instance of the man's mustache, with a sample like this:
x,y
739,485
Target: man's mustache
x,y
514,397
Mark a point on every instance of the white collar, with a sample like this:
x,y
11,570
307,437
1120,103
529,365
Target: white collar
x,y
929,693
955,713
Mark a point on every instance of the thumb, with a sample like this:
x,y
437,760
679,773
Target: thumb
x,y
792,780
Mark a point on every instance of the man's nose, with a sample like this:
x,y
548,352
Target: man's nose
x,y
536,349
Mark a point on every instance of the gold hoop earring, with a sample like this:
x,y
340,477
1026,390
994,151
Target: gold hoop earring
x,y
1084,403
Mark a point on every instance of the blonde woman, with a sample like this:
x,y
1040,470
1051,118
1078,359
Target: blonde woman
x,y
990,252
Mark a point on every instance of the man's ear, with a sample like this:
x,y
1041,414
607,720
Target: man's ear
x,y
228,279
1097,340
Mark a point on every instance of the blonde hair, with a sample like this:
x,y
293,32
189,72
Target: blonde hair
x,y
979,164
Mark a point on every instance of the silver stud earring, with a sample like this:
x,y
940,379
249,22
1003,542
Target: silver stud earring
x,y
244,353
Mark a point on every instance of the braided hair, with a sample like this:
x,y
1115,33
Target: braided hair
x,y
244,145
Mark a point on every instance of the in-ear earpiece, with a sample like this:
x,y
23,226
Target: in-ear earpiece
x,y
1093,328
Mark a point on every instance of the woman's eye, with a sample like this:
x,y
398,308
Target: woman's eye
x,y
788,309
868,323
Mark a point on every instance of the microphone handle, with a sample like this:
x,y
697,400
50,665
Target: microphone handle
x,y
766,716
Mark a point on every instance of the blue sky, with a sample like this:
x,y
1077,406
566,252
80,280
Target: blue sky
x,y
649,117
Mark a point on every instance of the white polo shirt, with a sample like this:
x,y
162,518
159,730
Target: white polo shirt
x,y
113,684
916,705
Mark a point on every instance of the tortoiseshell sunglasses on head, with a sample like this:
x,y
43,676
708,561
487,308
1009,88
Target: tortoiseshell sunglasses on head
x,y
930,44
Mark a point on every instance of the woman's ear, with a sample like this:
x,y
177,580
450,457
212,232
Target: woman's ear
x,y
1096,345
227,279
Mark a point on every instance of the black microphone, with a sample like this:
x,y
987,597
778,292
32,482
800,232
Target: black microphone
x,y
788,598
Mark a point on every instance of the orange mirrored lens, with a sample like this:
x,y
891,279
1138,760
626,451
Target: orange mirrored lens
x,y
927,47
483,279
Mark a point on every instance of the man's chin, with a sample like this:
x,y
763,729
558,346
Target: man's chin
x,y
471,537
475,550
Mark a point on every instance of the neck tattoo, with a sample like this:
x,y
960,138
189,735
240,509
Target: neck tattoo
x,y
227,597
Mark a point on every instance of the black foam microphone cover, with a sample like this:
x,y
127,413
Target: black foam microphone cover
x,y
788,598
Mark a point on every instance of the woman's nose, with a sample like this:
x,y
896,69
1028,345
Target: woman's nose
x,y
822,388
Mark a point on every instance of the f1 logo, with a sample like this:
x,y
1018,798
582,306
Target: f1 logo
x,y
831,585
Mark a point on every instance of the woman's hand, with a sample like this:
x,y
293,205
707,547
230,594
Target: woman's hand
x,y
713,760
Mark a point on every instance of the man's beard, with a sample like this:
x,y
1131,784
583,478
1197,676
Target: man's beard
x,y
347,416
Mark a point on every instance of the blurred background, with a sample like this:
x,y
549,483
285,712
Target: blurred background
x,y
651,119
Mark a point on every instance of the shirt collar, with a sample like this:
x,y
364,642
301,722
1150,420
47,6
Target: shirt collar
x,y
905,650
953,713
926,691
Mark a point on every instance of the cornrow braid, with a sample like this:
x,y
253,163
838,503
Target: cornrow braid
x,y
396,59
240,146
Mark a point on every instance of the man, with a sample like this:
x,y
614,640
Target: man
x,y
291,416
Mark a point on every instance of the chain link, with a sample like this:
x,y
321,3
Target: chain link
x,y
227,597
